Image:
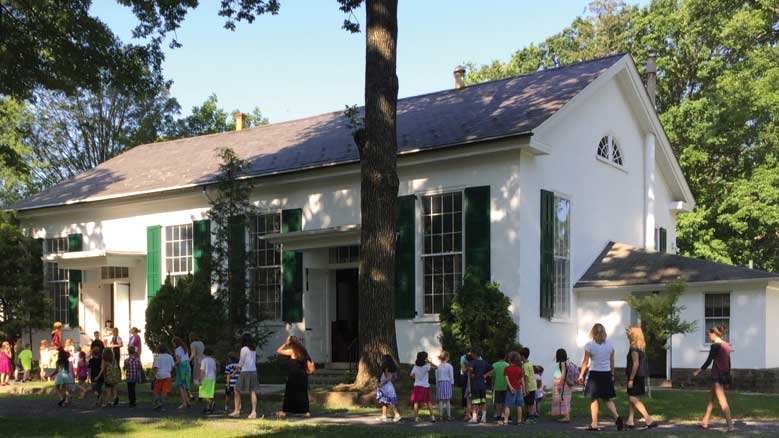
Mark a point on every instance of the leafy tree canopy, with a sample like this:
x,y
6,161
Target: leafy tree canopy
x,y
718,99
15,152
209,118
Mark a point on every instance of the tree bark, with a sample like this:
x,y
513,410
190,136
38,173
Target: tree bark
x,y
379,192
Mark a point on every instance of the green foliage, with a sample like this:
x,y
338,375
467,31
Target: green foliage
x,y
661,316
210,119
230,207
23,301
718,99
179,310
478,317
15,165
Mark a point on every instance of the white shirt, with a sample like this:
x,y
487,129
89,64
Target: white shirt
x,y
248,361
600,355
164,364
208,365
421,375
181,354
444,372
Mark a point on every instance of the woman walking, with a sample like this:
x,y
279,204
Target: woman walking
x,y
719,356
183,371
296,389
562,390
247,379
598,366
636,370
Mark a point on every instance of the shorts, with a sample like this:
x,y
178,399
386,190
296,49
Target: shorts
x,y
206,389
229,390
420,394
97,387
530,398
183,375
162,386
478,396
20,368
514,399
499,397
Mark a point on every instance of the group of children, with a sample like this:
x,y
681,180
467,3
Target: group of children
x,y
516,383
17,363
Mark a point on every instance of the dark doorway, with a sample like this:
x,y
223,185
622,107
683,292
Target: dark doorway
x,y
345,326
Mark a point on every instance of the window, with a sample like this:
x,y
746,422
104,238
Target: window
x,y
609,150
345,254
562,257
178,251
57,280
716,313
114,272
265,268
442,219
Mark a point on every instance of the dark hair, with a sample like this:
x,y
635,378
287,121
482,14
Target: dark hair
x,y
538,369
162,349
233,356
131,350
561,355
421,358
514,358
247,341
178,342
388,364
301,355
525,352
718,330
108,320
208,351
108,355
62,358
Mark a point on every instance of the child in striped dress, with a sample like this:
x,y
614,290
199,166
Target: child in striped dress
x,y
385,393
444,380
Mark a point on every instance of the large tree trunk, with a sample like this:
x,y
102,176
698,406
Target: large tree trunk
x,y
379,191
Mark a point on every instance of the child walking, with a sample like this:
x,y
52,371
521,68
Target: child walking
x,y
444,380
499,387
6,366
43,359
515,379
530,384
163,367
133,373
95,377
479,369
231,378
565,375
207,379
421,392
538,372
25,358
109,371
385,393
64,377
82,372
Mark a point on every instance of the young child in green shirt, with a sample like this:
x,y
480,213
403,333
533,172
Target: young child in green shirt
x,y
25,357
499,387
530,384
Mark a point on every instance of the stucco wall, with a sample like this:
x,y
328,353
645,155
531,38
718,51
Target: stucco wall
x,y
772,326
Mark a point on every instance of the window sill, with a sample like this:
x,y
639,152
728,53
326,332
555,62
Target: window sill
x,y
274,324
562,320
426,319
612,164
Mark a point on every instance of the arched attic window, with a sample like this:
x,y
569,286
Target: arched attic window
x,y
609,150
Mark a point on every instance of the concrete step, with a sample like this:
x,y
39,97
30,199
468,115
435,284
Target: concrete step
x,y
344,366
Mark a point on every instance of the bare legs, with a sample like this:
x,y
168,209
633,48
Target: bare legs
x,y
237,401
718,392
507,414
594,407
634,404
253,414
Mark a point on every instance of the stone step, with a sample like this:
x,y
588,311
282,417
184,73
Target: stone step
x,y
343,366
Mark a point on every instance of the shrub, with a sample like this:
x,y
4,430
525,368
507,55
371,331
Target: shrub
x,y
478,317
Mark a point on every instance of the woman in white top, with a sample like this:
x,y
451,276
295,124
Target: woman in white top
x,y
598,365
247,380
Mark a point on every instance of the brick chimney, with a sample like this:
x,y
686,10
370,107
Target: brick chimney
x,y
459,77
651,77
239,120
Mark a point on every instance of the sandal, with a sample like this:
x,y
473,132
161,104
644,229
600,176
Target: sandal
x,y
651,425
620,424
592,429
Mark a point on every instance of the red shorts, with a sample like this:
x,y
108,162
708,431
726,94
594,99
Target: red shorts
x,y
420,394
162,386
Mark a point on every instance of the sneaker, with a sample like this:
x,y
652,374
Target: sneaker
x,y
383,419
416,420
473,420
432,419
396,419
450,419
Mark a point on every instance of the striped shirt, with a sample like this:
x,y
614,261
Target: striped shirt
x,y
232,376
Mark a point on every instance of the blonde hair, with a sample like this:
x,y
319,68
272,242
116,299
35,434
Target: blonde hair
x,y
598,333
636,337
443,356
57,325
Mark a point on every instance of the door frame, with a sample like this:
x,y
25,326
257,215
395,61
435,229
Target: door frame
x,y
325,311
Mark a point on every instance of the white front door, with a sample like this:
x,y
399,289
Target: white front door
x,y
315,313
122,310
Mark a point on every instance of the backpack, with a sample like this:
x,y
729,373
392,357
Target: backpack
x,y
571,373
112,374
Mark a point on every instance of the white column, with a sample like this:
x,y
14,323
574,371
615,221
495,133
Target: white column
x,y
649,191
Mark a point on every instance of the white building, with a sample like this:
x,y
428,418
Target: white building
x,y
526,179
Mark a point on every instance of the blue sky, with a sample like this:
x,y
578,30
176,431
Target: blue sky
x,y
301,63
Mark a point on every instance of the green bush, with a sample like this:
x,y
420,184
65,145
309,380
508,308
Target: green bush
x,y
478,317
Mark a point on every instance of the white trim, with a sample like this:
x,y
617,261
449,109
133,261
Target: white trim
x,y
654,286
611,163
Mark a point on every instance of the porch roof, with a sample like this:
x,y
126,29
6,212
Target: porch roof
x,y
94,259
317,238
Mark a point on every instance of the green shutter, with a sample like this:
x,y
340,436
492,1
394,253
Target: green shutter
x,y
476,204
236,266
75,243
547,254
201,242
663,240
292,270
153,260
405,262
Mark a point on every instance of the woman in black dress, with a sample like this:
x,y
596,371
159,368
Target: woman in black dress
x,y
635,369
296,389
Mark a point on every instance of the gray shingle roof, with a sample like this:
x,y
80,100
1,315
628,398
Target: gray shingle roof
x,y
512,106
620,264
